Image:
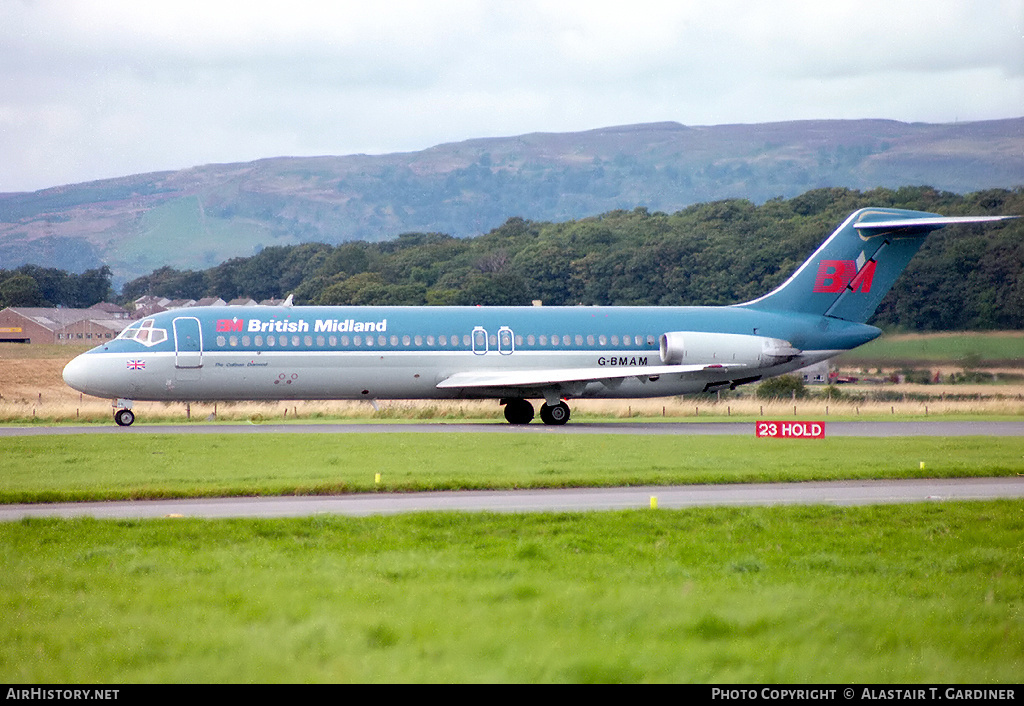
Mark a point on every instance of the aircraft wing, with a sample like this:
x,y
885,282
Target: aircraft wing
x,y
556,376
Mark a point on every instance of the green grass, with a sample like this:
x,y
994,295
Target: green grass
x,y
980,348
90,467
922,593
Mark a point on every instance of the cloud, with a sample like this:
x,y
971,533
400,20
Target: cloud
x,y
97,88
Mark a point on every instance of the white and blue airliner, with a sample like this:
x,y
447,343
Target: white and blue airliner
x,y
512,354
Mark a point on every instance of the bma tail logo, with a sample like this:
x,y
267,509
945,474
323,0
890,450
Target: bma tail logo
x,y
836,275
230,324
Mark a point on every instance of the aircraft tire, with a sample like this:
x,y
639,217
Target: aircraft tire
x,y
518,412
124,417
556,415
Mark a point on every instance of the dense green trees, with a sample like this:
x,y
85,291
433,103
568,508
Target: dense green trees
x,y
712,253
30,285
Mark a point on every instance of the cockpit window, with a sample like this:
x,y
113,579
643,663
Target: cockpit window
x,y
145,333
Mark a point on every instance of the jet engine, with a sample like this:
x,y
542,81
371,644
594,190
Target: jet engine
x,y
697,347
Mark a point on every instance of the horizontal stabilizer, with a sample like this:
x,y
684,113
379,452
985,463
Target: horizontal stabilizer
x,y
541,378
912,226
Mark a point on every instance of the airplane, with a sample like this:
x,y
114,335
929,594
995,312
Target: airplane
x,y
513,354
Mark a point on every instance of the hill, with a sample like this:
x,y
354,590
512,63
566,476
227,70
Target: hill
x,y
198,217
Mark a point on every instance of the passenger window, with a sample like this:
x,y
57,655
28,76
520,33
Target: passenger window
x,y
394,341
221,340
418,340
245,341
406,340
332,341
320,341
442,340
234,341
270,341
344,341
259,341
430,340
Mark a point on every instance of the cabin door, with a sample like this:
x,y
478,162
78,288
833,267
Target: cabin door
x,y
188,343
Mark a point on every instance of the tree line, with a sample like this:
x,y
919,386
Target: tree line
x,y
723,252
31,285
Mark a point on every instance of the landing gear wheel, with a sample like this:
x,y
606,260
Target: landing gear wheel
x,y
124,417
518,412
554,414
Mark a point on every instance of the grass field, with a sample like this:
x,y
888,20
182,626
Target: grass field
x,y
987,349
923,593
918,593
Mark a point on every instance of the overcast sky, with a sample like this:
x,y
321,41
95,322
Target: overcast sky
x,y
91,89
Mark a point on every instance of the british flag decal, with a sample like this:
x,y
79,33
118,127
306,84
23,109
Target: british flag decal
x,y
136,365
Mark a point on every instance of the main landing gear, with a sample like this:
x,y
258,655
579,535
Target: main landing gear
x,y
521,412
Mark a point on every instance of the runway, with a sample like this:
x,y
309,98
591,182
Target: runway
x,y
554,500
842,428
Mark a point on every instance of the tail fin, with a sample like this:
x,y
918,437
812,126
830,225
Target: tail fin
x,y
848,275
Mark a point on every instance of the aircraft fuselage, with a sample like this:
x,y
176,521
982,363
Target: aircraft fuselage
x,y
276,353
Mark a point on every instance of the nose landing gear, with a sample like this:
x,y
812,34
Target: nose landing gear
x,y
123,414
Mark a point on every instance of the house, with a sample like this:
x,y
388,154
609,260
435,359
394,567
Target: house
x,y
113,310
817,374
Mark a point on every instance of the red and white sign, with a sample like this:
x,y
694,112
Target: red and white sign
x,y
790,430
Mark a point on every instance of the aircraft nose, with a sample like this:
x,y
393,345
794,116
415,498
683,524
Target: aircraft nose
x,y
76,373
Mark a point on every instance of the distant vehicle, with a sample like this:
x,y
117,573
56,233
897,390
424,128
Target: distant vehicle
x,y
513,354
